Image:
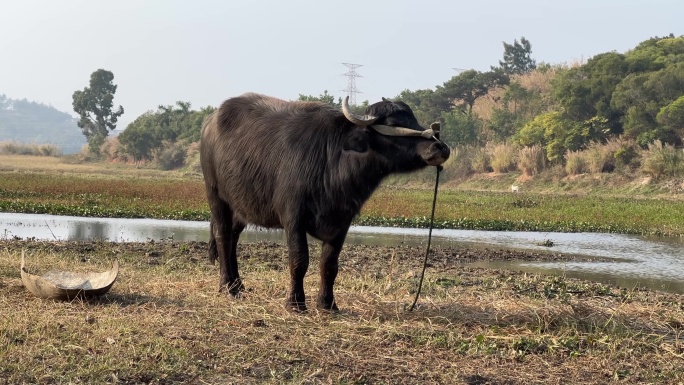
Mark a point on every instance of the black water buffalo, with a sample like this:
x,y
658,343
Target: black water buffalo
x,y
306,167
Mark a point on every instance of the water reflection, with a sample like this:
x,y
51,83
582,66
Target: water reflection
x,y
85,230
652,262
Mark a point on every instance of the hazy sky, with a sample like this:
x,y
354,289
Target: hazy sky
x,y
204,51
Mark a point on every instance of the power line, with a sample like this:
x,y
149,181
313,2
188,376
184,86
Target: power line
x,y
351,75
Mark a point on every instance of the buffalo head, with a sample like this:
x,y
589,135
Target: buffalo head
x,y
394,131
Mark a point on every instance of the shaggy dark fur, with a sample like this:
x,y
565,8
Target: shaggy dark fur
x,y
303,167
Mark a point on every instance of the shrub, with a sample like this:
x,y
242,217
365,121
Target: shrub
x,y
599,158
532,160
192,158
503,157
480,160
112,150
662,160
95,141
575,162
171,156
459,166
627,154
85,153
49,150
14,148
8,148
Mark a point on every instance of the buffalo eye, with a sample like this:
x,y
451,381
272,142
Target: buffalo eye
x,y
356,141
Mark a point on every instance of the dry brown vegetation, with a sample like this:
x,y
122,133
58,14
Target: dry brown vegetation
x,y
15,148
164,322
74,165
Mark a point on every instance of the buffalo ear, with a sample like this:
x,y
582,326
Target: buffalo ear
x,y
356,141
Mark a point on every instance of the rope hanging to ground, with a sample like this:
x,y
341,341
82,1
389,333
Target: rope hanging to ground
x,y
427,252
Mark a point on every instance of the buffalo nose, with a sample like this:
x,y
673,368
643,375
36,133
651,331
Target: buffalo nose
x,y
444,149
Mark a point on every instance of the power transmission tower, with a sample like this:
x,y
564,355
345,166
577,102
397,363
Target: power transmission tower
x,y
351,75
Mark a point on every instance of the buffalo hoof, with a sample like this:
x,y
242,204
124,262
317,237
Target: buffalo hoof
x,y
234,288
330,306
296,307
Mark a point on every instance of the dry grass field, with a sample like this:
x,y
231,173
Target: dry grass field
x,y
71,165
164,322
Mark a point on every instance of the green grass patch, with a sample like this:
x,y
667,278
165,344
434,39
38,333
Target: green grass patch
x,y
479,210
123,193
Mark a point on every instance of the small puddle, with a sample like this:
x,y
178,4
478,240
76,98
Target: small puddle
x,y
654,262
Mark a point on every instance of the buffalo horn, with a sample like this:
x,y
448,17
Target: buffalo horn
x,y
435,127
402,131
356,119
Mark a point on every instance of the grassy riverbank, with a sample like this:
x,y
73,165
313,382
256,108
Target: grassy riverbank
x,y
51,186
163,322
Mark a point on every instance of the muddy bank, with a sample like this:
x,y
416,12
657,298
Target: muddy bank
x,y
275,254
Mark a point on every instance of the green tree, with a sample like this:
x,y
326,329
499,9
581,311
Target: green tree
x,y
672,117
154,131
517,57
468,86
586,92
94,105
558,133
427,105
642,96
192,124
655,54
141,137
459,128
518,106
325,97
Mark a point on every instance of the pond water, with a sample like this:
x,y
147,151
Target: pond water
x,y
654,262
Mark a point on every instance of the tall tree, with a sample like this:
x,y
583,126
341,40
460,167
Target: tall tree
x,y
459,128
518,106
468,86
152,132
517,58
586,92
671,117
642,96
426,104
94,105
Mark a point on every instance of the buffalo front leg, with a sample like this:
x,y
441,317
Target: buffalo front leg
x,y
298,258
329,267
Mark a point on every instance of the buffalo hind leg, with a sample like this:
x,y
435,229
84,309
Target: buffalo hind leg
x,y
328,267
298,258
235,236
222,245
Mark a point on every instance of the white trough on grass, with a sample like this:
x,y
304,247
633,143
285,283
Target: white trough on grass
x,y
68,285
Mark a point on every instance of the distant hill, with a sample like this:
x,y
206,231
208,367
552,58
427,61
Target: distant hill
x,y
29,122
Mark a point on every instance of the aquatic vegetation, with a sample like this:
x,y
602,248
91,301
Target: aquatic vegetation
x,y
185,199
